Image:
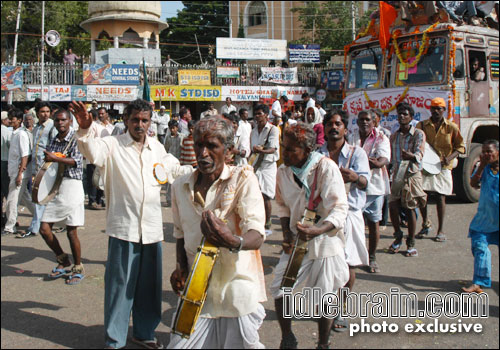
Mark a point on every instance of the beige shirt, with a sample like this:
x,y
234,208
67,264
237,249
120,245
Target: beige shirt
x,y
237,283
132,192
291,202
271,134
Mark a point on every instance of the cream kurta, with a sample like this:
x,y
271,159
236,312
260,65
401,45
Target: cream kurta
x,y
291,202
237,283
132,192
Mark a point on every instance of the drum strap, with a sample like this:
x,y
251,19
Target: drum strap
x,y
260,158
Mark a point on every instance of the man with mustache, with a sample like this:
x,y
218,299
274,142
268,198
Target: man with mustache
x,y
230,216
444,136
131,163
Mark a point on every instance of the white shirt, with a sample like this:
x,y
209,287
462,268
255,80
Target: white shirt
x,y
242,143
20,147
322,113
310,103
291,202
6,138
226,109
132,192
162,122
277,108
273,141
237,282
208,113
245,126
107,129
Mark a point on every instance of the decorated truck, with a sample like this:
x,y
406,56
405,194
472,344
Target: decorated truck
x,y
458,63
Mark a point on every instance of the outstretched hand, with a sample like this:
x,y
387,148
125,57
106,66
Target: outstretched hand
x,y
83,117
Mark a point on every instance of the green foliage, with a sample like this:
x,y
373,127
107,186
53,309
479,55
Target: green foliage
x,y
62,16
208,20
332,23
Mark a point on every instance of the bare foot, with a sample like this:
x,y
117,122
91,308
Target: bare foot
x,y
474,288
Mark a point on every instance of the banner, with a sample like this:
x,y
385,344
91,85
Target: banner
x,y
60,93
194,77
12,78
279,75
112,93
303,53
78,93
127,74
33,92
384,99
332,80
186,93
228,72
251,49
256,93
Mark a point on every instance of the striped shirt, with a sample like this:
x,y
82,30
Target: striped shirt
x,y
188,157
413,142
56,145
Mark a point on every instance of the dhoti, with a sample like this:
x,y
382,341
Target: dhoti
x,y
266,174
354,232
68,205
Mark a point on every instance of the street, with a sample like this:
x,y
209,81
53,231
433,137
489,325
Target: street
x,y
41,313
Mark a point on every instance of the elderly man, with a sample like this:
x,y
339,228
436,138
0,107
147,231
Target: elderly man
x,y
264,142
231,217
134,165
310,182
444,136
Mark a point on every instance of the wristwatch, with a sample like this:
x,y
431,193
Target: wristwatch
x,y
237,250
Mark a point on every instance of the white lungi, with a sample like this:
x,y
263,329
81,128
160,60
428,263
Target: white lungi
x,y
266,174
223,333
441,183
68,205
329,274
354,233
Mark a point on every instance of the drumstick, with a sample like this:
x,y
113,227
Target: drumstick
x,y
198,198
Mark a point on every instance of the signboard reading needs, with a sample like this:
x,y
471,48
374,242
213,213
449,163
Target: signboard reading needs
x,y
251,49
126,74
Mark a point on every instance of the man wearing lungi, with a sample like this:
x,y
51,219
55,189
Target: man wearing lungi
x,y
69,203
355,170
264,141
231,218
408,146
444,136
131,163
307,174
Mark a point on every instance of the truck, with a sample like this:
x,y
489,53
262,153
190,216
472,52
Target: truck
x,y
457,62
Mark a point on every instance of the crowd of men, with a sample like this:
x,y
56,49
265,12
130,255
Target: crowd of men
x,y
339,180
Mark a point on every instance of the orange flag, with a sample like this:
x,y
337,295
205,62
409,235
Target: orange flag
x,y
388,15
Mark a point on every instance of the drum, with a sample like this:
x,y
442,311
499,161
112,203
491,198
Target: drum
x,y
97,179
399,178
47,182
431,161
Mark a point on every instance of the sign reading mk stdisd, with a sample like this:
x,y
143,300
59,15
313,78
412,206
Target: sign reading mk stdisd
x,y
186,93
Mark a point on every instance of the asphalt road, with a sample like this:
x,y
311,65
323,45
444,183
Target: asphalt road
x,y
43,314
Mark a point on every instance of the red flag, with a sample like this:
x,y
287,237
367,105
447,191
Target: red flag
x,y
388,15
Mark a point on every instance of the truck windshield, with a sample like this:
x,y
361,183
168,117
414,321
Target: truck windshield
x,y
430,69
365,68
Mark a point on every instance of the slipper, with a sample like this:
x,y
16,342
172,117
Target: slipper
x,y
373,267
394,248
340,324
423,232
60,273
440,238
148,344
412,252
76,275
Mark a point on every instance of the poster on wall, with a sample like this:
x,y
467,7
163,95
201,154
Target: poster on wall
x,y
279,75
304,53
124,74
228,72
12,78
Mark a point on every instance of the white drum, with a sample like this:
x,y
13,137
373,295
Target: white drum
x,y
47,182
431,161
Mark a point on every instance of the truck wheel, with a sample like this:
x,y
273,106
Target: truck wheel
x,y
463,172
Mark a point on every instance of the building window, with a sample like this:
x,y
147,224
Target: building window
x,y
257,13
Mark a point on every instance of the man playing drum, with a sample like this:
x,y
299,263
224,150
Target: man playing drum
x,y
444,136
69,203
407,145
309,175
134,167
231,218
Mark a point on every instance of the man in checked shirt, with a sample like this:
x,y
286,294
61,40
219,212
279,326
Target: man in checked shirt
x,y
68,205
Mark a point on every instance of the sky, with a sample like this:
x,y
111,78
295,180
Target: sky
x,y
169,8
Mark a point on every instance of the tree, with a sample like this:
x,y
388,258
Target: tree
x,y
62,16
329,23
206,20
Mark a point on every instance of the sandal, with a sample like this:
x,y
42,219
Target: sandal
x,y
411,252
63,261
58,273
440,238
394,248
373,267
77,273
148,344
340,324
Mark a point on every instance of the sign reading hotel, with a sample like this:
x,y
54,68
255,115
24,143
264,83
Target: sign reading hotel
x,y
112,93
304,53
186,93
256,93
251,49
194,77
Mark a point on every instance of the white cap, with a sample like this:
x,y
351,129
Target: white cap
x,y
163,107
5,115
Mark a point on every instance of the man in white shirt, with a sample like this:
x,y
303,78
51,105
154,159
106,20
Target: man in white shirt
x,y
131,165
308,101
264,142
210,111
103,115
161,121
244,124
276,109
19,153
231,217
6,136
228,107
322,112
241,149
